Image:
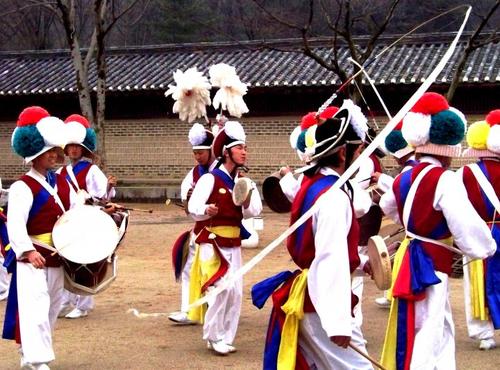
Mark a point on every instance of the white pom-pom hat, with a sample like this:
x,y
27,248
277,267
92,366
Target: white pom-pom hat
x,y
483,137
230,135
200,137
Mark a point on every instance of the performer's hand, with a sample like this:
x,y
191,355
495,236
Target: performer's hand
x,y
284,170
375,177
341,340
212,210
367,268
112,181
35,258
111,208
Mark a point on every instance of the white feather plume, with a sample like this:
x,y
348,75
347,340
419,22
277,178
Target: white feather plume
x,y
191,94
231,90
359,122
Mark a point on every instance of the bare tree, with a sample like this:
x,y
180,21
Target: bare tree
x,y
475,41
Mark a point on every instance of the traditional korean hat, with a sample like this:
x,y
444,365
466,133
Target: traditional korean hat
x,y
200,137
396,144
483,137
230,135
37,132
79,132
433,127
347,126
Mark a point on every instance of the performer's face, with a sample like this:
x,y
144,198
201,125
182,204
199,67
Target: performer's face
x,y
74,151
239,154
47,160
201,156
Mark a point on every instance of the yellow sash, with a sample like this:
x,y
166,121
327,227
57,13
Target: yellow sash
x,y
230,232
478,299
294,310
44,238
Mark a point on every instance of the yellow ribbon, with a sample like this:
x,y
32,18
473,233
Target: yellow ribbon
x,y
476,278
44,238
225,231
294,310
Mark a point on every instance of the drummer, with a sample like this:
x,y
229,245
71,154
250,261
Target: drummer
x,y
404,155
324,278
481,285
82,174
201,142
219,251
36,200
431,203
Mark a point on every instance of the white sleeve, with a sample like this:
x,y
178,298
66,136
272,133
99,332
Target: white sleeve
x,y
470,232
365,171
385,182
20,202
389,205
198,202
97,183
186,184
290,186
361,200
329,278
255,206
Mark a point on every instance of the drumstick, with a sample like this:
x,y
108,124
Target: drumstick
x,y
135,209
365,355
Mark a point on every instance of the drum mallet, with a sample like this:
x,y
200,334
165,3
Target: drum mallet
x,y
135,209
365,355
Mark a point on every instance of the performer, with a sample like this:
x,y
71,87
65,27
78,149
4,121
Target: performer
x,y
83,175
4,276
482,278
36,200
312,321
201,141
404,155
219,251
431,203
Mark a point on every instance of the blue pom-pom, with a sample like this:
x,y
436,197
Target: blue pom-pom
x,y
395,141
27,141
90,139
301,141
447,128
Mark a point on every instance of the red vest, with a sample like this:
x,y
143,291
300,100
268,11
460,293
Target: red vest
x,y
80,176
45,212
424,220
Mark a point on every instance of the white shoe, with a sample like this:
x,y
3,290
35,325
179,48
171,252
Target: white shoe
x,y
487,344
77,313
231,348
4,294
64,311
383,302
180,318
41,367
219,347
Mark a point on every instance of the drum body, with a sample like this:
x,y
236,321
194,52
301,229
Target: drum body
x,y
274,196
241,190
86,238
380,262
369,224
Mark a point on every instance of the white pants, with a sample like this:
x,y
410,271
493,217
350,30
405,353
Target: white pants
x,y
357,285
223,313
478,329
434,347
4,277
82,302
39,293
185,276
322,354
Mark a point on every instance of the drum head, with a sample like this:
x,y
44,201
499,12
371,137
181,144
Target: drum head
x,y
380,262
241,190
85,234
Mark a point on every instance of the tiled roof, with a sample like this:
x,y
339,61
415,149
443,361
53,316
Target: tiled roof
x,y
150,68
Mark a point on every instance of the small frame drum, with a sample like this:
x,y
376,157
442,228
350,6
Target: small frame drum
x,y
86,239
241,190
369,224
380,262
273,194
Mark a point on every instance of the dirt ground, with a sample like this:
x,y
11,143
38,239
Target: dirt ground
x,y
112,338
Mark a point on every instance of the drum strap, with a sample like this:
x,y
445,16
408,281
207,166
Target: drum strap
x,y
485,185
407,209
51,191
71,174
35,239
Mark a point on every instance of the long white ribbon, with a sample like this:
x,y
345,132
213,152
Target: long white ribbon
x,y
225,283
485,185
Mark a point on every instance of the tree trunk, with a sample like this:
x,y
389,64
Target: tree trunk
x,y
100,7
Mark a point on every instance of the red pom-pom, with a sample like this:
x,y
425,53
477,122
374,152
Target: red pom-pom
x,y
493,118
31,116
308,120
430,103
329,112
78,118
399,126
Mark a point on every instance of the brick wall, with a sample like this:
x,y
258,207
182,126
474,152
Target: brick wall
x,y
157,151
